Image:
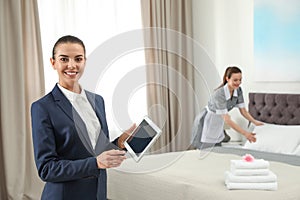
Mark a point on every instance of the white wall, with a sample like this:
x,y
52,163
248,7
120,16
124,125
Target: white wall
x,y
204,34
225,29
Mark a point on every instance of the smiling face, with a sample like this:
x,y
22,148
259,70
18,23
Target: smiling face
x,y
69,62
234,81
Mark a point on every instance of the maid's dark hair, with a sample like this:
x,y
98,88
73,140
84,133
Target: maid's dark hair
x,y
228,73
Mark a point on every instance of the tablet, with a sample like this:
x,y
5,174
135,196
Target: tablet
x,y
142,138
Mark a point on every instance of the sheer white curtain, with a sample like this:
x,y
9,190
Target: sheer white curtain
x,y
95,21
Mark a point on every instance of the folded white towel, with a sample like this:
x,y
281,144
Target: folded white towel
x,y
251,186
256,164
250,172
229,177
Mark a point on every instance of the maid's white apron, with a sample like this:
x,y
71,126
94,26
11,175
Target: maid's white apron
x,y
207,128
213,128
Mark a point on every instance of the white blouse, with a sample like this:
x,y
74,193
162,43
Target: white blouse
x,y
85,111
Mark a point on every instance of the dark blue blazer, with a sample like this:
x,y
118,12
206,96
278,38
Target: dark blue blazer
x,y
64,156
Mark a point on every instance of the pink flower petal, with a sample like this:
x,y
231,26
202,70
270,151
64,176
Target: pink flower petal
x,y
248,158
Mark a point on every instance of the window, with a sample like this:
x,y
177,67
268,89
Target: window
x,y
96,21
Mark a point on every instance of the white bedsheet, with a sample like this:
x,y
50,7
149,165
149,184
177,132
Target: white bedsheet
x,y
189,177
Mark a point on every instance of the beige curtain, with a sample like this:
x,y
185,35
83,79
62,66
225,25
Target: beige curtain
x,y
21,82
170,74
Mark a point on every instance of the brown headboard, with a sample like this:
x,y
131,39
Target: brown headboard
x,y
283,109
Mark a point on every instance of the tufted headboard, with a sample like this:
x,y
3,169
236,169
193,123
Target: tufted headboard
x,y
283,109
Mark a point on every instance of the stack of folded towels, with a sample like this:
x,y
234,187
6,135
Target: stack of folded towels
x,y
250,174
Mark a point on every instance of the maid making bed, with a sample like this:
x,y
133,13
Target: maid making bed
x,y
208,125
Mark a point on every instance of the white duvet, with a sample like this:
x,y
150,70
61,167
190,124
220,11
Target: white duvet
x,y
189,177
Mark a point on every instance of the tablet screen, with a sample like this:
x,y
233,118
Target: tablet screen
x,y
141,138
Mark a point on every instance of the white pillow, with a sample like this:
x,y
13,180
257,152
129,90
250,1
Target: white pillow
x,y
276,138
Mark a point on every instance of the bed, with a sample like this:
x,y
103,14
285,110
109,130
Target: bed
x,y
196,174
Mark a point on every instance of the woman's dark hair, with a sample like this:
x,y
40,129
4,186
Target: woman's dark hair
x,y
67,39
228,72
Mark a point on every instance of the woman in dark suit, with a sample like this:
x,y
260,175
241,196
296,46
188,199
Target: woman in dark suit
x,y
70,133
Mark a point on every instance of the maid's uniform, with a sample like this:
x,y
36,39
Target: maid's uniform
x,y
208,125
